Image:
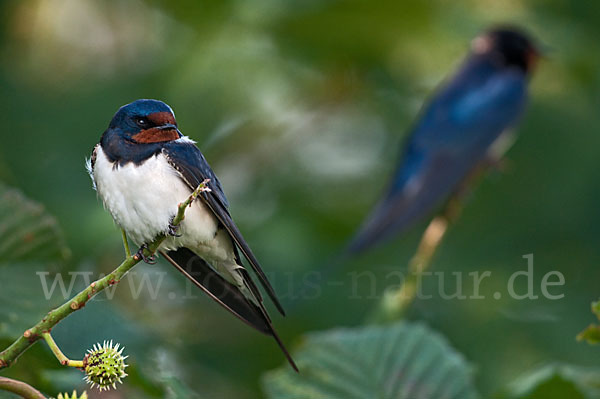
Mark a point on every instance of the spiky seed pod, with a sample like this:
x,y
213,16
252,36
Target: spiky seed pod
x,y
73,396
104,366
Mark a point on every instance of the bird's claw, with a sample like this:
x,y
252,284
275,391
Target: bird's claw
x,y
173,230
147,259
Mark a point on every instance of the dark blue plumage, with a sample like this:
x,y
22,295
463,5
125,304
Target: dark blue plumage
x,y
118,142
127,117
194,167
455,133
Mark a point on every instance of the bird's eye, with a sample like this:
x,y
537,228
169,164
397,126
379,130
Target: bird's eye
x,y
142,122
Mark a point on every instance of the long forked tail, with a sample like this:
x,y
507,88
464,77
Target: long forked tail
x,y
224,293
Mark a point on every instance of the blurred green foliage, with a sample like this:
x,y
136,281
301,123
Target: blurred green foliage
x,y
397,361
301,107
556,381
592,333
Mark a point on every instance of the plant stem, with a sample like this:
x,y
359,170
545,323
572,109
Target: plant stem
x,y
20,388
65,361
35,333
125,243
396,300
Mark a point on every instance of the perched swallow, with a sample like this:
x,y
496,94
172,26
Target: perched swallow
x,y
142,169
465,123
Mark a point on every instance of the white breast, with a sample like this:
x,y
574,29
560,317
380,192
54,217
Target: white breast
x,y
143,199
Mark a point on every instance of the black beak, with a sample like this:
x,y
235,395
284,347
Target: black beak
x,y
170,126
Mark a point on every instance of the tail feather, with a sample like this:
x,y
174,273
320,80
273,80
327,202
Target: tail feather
x,y
403,205
226,294
391,217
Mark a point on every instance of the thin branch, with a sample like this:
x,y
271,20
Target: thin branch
x,y
35,333
20,388
396,301
65,361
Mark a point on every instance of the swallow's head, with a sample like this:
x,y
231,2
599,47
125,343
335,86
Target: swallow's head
x,y
509,46
145,121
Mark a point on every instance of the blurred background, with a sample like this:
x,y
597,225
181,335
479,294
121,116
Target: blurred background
x,y
300,107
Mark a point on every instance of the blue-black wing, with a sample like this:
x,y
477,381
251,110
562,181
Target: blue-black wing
x,y
226,294
187,159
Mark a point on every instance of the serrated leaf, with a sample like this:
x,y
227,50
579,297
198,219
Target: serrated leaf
x,y
30,242
403,360
557,381
27,231
591,334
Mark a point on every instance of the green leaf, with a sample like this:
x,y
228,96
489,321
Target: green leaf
x,y
403,360
27,231
557,381
591,334
30,243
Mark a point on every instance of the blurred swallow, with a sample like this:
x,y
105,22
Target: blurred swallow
x,y
464,125
142,169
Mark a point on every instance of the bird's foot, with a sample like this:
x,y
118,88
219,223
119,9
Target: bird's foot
x,y
147,259
173,230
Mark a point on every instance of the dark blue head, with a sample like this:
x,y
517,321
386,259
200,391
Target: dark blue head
x,y
508,46
145,121
138,131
